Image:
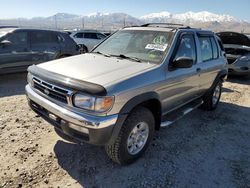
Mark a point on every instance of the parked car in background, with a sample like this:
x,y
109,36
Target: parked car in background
x,y
20,48
138,80
237,47
87,39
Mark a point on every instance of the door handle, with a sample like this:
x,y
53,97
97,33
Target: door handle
x,y
198,70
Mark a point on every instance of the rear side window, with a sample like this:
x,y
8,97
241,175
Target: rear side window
x,y
90,36
41,37
206,48
215,48
100,36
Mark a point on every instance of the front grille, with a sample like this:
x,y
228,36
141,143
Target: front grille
x,y
51,90
231,60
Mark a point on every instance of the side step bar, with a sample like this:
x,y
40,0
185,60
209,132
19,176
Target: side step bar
x,y
175,115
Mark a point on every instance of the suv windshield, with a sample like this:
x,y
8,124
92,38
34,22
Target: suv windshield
x,y
149,46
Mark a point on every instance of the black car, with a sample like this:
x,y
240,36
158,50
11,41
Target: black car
x,y
20,48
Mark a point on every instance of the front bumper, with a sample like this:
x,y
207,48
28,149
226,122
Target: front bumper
x,y
80,127
239,68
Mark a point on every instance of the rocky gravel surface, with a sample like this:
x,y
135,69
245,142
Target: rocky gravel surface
x,y
204,149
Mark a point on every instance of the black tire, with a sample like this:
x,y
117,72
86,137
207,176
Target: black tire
x,y
83,49
118,151
209,104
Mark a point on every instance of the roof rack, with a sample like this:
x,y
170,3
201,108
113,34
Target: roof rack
x,y
166,25
161,24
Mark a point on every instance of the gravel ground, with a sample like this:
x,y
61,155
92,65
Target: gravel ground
x,y
204,149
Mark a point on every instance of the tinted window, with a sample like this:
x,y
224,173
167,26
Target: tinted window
x,y
18,38
39,37
78,35
206,48
90,36
100,36
186,47
215,48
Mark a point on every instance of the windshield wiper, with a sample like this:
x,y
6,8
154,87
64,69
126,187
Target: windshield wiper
x,y
106,55
127,57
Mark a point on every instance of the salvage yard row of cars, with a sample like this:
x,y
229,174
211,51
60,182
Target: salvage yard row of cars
x,y
133,83
20,48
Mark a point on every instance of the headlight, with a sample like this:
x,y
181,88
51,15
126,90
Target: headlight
x,y
30,80
97,104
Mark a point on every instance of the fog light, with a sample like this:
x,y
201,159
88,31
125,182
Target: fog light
x,y
79,128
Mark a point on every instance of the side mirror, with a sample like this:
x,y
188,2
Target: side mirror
x,y
5,43
183,62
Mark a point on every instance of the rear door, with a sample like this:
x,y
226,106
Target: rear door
x,y
45,46
209,61
15,55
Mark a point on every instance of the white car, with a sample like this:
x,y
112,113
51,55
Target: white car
x,y
87,39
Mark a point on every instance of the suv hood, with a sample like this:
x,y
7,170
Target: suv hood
x,y
234,38
96,68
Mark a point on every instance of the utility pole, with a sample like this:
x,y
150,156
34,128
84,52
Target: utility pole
x,y
83,22
19,22
102,22
55,21
124,21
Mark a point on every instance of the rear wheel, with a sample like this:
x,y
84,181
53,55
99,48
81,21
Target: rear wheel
x,y
83,49
212,99
134,137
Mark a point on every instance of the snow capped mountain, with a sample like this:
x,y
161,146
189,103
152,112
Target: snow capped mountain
x,y
63,16
156,15
97,14
202,16
114,21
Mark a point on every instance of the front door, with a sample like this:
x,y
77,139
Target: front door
x,y
182,84
16,54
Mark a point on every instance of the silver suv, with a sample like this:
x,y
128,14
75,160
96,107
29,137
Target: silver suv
x,y
138,80
87,39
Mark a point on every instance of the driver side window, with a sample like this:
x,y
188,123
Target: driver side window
x,y
18,38
186,47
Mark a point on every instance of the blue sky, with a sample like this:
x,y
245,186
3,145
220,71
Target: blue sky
x,y
33,8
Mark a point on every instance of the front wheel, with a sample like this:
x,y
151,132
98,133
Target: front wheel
x,y
212,98
134,137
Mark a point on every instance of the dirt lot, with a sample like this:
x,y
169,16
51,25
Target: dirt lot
x,y
204,149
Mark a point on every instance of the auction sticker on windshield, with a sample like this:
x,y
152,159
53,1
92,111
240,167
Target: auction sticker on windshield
x,y
158,47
